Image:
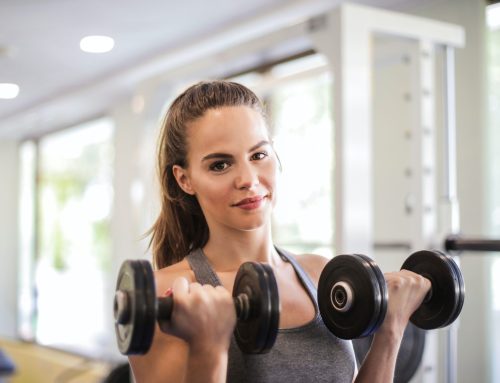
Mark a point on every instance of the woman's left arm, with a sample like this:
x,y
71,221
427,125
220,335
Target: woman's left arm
x,y
406,291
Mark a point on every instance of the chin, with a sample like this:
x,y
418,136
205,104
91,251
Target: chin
x,y
251,225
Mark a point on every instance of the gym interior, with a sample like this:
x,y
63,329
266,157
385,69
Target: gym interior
x,y
385,115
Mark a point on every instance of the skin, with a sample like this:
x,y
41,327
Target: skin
x,y
230,158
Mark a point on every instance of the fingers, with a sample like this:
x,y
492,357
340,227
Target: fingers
x,y
409,281
406,290
180,286
202,314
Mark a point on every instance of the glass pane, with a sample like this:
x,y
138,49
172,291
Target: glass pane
x,y
303,134
74,249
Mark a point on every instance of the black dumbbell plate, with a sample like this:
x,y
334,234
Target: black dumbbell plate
x,y
136,281
257,334
448,291
369,304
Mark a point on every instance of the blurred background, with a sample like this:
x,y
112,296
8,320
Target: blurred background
x,y
78,130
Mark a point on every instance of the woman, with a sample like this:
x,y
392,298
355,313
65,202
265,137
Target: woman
x,y
218,173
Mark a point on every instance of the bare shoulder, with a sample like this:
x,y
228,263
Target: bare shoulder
x,y
166,276
313,264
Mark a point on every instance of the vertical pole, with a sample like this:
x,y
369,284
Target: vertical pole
x,y
450,191
450,139
345,40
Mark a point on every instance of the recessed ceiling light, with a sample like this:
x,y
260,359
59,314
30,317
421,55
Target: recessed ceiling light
x,y
97,44
8,90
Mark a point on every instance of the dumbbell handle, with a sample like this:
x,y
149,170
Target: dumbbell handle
x,y
166,306
241,304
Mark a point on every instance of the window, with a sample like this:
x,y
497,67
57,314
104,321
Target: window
x,y
73,195
298,97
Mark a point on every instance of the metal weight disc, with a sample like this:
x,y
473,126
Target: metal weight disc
x,y
409,355
447,293
258,332
461,286
383,291
135,307
369,296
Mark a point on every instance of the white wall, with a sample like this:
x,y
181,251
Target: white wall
x,y
8,237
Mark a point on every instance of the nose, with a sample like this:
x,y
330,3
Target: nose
x,y
247,177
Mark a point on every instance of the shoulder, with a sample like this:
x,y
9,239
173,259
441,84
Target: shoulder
x,y
166,276
313,264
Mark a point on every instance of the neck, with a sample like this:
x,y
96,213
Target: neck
x,y
227,251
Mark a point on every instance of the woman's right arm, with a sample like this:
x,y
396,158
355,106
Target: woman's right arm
x,y
193,346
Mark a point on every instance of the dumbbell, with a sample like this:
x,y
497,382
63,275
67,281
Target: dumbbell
x,y
352,293
136,307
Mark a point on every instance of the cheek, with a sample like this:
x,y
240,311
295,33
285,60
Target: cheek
x,y
213,191
272,173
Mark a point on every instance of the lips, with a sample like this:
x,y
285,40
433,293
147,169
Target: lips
x,y
250,203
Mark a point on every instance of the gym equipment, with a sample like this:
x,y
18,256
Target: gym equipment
x,y
352,296
136,307
409,356
457,243
352,293
7,366
444,302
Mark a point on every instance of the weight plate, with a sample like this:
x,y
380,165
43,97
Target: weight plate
x,y
461,285
441,309
409,355
258,332
136,282
369,302
383,291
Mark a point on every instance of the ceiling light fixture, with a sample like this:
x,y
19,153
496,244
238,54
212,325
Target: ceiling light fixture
x,y
8,90
97,44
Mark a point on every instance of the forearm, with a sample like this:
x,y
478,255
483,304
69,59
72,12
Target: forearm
x,y
380,361
206,365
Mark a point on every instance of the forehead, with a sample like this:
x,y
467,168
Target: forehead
x,y
226,129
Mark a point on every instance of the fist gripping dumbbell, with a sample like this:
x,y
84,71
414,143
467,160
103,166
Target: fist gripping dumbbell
x,y
352,293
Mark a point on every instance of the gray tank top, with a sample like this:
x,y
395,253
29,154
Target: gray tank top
x,y
309,353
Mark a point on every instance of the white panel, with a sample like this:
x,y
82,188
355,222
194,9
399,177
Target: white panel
x,y
8,241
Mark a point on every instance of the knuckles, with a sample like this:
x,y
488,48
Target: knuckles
x,y
407,280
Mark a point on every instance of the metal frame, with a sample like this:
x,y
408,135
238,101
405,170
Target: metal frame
x,y
345,37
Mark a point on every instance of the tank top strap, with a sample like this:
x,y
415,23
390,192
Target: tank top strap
x,y
301,273
203,272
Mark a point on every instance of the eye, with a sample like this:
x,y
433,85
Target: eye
x,y
259,156
219,166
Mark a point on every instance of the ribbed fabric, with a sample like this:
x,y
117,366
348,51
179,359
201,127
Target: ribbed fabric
x,y
309,353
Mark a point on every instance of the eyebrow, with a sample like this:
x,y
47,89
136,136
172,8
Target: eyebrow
x,y
225,155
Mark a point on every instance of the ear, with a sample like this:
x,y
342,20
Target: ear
x,y
277,157
183,180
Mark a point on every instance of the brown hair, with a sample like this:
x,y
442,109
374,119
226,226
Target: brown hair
x,y
181,226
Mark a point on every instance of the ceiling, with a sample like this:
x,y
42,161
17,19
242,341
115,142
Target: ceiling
x,y
60,85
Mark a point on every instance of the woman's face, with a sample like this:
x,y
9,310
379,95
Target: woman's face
x,y
232,168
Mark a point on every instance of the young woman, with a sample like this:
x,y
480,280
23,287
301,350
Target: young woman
x,y
218,173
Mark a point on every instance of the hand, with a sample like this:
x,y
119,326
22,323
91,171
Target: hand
x,y
407,291
204,316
